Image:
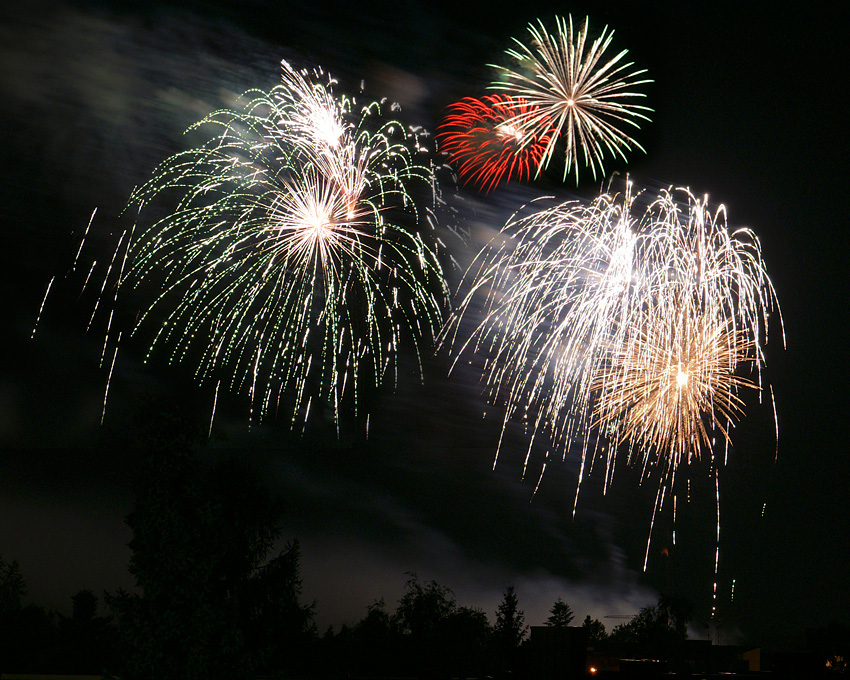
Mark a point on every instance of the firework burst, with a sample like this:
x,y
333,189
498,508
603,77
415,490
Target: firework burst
x,y
550,297
291,264
621,325
483,143
670,388
571,83
673,384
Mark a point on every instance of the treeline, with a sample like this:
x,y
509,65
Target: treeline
x,y
176,630
430,635
218,597
35,640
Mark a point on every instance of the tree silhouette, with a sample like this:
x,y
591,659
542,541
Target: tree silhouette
x,y
424,607
281,628
27,632
595,630
679,612
12,587
467,636
658,631
440,639
84,607
421,616
510,630
212,604
560,616
375,640
86,640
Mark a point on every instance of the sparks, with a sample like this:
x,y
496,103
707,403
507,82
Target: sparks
x,y
626,325
485,144
571,84
292,266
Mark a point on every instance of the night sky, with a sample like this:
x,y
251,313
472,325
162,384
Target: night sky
x,y
748,108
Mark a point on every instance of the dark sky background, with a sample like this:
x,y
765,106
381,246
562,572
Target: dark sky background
x,y
749,108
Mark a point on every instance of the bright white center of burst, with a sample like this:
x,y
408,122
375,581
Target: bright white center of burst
x,y
681,378
508,130
328,129
571,102
316,225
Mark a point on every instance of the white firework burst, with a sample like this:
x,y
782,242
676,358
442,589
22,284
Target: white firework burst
x,y
576,86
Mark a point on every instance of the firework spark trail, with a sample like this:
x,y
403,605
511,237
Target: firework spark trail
x,y
483,144
106,280
291,261
571,84
621,325
716,544
83,240
554,292
88,277
215,403
41,308
70,271
109,379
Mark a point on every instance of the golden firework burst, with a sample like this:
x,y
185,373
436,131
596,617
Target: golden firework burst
x,y
674,383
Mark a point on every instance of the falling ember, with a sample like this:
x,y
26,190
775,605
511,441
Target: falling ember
x,y
109,379
215,404
716,544
41,308
83,239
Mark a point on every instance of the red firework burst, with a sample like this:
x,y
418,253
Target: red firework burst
x,y
486,144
